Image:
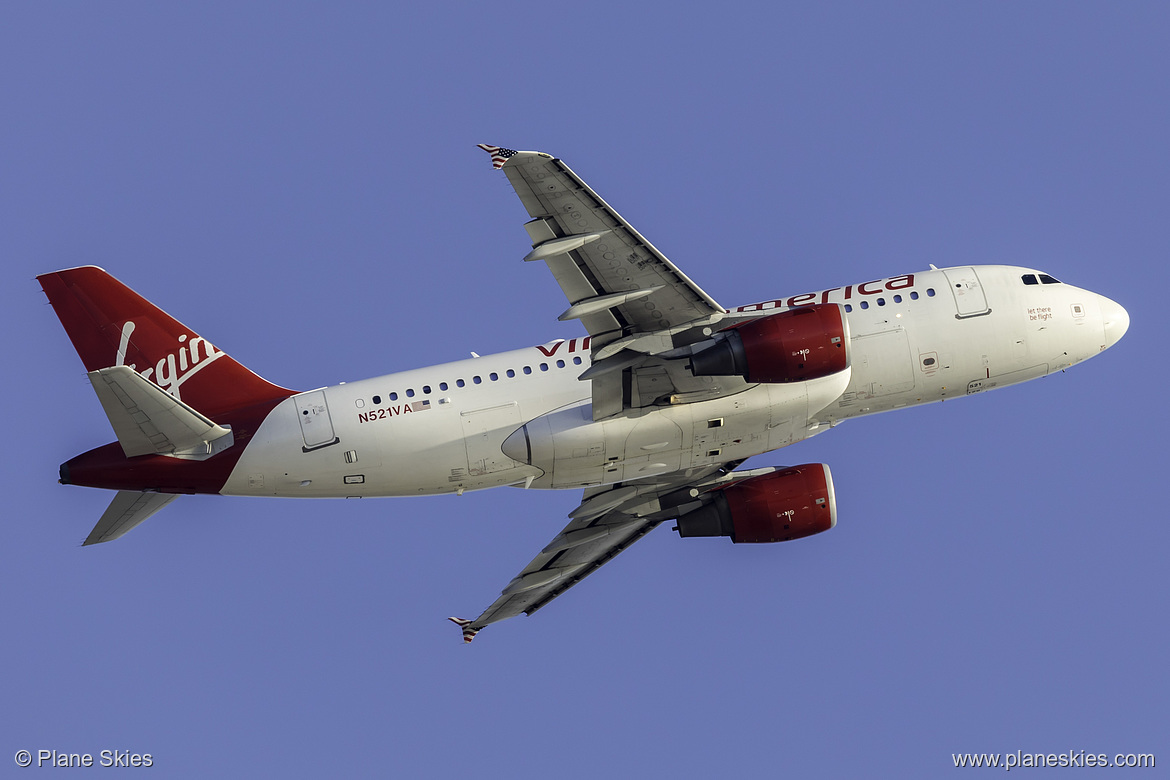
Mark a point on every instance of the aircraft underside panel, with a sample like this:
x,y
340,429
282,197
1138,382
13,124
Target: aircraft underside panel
x,y
483,431
885,362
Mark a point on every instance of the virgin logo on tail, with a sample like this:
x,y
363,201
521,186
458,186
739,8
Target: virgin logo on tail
x,y
193,355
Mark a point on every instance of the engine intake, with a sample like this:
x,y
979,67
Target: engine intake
x,y
808,342
788,504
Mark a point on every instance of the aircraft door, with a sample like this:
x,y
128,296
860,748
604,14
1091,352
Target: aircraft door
x,y
313,415
968,292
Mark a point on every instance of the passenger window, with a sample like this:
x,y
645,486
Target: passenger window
x,y
377,400
1029,278
881,301
929,292
494,376
426,389
576,361
897,299
394,396
914,295
865,304
443,386
410,392
848,307
527,369
560,364
544,366
511,373
476,379
459,383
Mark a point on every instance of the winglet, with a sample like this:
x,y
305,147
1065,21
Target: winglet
x,y
468,632
500,156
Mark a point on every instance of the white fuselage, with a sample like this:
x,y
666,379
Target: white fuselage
x,y
915,339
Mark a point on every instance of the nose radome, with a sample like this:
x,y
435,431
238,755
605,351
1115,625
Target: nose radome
x,y
1115,319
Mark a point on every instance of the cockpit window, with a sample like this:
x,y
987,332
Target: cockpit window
x,y
1046,279
1029,279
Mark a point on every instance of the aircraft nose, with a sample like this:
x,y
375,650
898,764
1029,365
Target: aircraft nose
x,y
1115,319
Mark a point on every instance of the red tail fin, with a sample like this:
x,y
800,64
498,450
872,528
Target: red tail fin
x,y
111,325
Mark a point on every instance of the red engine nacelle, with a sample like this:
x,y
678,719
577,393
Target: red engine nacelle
x,y
803,343
788,504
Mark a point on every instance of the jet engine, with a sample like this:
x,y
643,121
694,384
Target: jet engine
x,y
808,342
788,504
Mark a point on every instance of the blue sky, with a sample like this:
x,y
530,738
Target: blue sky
x,y
300,183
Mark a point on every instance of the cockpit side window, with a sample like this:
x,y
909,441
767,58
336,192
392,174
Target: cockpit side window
x,y
1046,279
1029,279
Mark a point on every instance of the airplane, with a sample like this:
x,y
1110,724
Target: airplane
x,y
650,414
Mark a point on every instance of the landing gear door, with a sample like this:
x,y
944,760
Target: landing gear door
x,y
316,425
969,298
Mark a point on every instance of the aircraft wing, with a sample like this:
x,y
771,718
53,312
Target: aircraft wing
x,y
556,569
609,520
617,282
629,297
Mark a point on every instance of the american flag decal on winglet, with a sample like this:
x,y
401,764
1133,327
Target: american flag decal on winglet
x,y
499,154
468,632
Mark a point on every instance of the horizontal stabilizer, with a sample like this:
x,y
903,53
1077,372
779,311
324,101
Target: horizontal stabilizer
x,y
127,510
149,421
